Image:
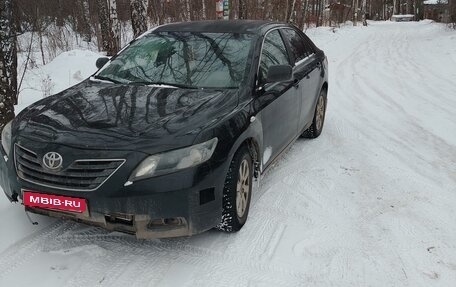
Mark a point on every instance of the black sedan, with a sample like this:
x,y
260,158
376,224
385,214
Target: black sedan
x,y
167,137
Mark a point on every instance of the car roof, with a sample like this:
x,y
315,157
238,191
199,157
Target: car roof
x,y
221,26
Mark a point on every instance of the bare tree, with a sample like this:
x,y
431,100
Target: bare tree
x,y
363,11
138,16
103,18
114,31
242,9
188,11
355,12
292,12
60,17
452,10
203,9
304,8
8,63
87,31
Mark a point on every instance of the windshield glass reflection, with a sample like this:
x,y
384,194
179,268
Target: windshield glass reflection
x,y
184,60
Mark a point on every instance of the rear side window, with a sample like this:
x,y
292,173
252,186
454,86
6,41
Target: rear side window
x,y
300,47
273,53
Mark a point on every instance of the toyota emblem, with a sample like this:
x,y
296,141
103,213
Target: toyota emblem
x,y
52,160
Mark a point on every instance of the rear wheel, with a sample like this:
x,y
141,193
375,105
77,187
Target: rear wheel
x,y
237,192
319,117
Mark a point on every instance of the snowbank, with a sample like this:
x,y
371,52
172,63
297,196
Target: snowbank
x,y
66,70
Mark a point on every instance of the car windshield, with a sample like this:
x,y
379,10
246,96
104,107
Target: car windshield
x,y
183,59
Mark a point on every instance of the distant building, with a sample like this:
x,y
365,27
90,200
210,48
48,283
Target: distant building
x,y
436,10
402,18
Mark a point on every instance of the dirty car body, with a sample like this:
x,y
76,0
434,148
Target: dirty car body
x,y
144,145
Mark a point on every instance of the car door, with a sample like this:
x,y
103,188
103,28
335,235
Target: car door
x,y
277,101
306,74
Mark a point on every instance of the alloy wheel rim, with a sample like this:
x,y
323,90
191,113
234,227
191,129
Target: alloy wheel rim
x,y
242,188
320,112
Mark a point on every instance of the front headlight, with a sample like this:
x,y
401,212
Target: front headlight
x,y
6,138
171,161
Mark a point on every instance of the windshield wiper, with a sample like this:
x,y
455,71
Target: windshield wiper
x,y
175,85
107,79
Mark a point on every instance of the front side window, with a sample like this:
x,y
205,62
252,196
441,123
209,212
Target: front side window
x,y
273,53
192,59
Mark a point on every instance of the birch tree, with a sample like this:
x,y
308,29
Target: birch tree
x,y
290,19
188,10
87,31
114,29
138,16
103,18
355,11
203,9
8,63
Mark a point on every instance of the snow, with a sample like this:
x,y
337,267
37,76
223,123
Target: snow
x,y
433,2
67,69
403,15
267,154
369,203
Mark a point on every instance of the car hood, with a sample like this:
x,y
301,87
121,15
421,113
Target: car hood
x,y
124,117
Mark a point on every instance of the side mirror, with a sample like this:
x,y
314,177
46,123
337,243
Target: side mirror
x,y
101,62
279,73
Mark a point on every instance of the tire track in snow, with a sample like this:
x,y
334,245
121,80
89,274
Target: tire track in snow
x,y
368,88
23,250
128,249
386,102
409,89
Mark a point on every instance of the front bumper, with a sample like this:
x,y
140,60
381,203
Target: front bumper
x,y
184,203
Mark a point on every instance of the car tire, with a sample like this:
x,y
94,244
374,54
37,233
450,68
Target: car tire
x,y
237,192
318,121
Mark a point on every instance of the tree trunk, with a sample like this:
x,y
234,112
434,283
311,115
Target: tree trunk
x,y
203,3
87,31
40,38
267,9
59,22
114,29
290,19
234,10
8,63
355,12
304,13
320,13
242,9
188,11
452,12
103,18
138,17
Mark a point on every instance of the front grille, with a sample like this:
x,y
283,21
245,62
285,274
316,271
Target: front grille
x,y
81,175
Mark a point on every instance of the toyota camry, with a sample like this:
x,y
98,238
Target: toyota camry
x,y
168,137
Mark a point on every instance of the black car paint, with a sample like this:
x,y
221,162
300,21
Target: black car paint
x,y
104,120
125,117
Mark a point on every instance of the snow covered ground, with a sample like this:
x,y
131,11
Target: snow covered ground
x,y
372,202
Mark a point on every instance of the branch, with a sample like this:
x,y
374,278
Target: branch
x,y
29,51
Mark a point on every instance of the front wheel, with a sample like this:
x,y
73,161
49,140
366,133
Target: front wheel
x,y
237,192
319,117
